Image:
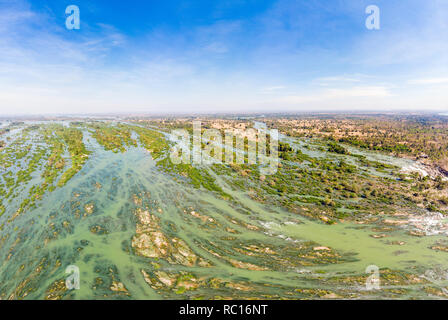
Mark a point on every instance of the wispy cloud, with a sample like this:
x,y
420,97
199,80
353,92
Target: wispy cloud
x,y
329,95
429,81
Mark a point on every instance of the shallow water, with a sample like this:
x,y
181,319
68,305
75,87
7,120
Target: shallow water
x,y
122,175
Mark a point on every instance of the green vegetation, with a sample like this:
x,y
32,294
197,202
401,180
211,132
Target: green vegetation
x,y
422,136
158,146
336,148
49,160
213,231
153,141
112,138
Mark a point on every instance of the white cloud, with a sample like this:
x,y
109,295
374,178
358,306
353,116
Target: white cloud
x,y
329,95
361,91
337,79
216,47
272,89
428,81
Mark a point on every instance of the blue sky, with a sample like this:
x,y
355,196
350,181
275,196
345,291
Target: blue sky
x,y
222,56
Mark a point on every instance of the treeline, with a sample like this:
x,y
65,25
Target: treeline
x,y
377,145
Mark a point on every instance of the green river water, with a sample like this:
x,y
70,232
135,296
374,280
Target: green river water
x,y
121,175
